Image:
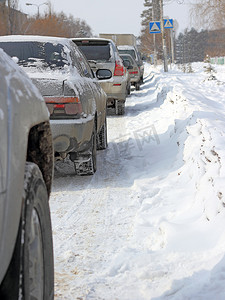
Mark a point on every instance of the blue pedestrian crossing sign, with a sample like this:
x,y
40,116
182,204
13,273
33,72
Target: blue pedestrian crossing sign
x,y
168,23
154,27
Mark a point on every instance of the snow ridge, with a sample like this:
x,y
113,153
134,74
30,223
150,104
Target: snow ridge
x,y
150,223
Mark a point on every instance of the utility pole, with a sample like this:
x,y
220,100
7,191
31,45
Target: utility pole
x,y
38,6
172,45
163,37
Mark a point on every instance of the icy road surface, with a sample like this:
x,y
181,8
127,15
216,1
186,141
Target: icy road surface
x,y
150,224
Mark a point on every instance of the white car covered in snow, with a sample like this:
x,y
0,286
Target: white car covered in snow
x,y
76,102
26,171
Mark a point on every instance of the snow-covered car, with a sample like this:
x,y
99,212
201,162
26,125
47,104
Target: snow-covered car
x,y
75,99
132,50
26,164
102,53
133,70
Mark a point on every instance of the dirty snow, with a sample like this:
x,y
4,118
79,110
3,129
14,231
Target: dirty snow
x,y
150,223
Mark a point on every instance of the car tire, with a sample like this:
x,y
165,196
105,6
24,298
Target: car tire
x,y
129,89
137,86
33,254
102,137
93,161
37,250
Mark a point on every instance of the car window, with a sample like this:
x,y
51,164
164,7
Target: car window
x,y
96,52
128,58
37,54
75,60
83,64
128,51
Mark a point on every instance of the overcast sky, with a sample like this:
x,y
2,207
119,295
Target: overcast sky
x,y
114,16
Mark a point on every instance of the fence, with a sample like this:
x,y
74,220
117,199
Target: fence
x,y
217,60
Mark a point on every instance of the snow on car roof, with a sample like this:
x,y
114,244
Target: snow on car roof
x,y
125,47
127,55
91,39
34,38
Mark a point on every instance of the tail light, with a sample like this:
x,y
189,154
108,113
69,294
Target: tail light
x,y
63,106
119,69
133,72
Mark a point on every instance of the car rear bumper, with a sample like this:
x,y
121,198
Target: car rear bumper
x,y
71,135
134,79
115,89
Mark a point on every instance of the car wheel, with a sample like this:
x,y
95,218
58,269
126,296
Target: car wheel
x,y
37,251
129,89
33,254
102,137
93,161
137,86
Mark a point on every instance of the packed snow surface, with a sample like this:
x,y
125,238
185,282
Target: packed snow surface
x,y
150,224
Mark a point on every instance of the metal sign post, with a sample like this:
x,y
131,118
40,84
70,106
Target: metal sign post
x,y
163,38
158,27
172,45
168,23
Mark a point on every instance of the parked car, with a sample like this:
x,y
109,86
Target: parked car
x,y
132,50
102,53
75,99
133,70
26,164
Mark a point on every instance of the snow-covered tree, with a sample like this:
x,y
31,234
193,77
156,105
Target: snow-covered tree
x,y
209,70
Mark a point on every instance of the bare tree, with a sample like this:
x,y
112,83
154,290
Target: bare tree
x,y
12,16
57,24
209,14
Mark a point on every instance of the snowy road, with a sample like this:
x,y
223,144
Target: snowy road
x,y
149,224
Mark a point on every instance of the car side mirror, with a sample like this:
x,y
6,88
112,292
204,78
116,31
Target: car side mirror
x,y
102,74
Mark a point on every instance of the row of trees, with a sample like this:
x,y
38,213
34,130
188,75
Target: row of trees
x,y
191,45
208,14
195,46
12,21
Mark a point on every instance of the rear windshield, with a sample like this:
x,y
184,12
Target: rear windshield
x,y
125,57
36,54
99,51
128,51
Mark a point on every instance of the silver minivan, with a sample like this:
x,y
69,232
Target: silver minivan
x,y
133,51
133,70
103,54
